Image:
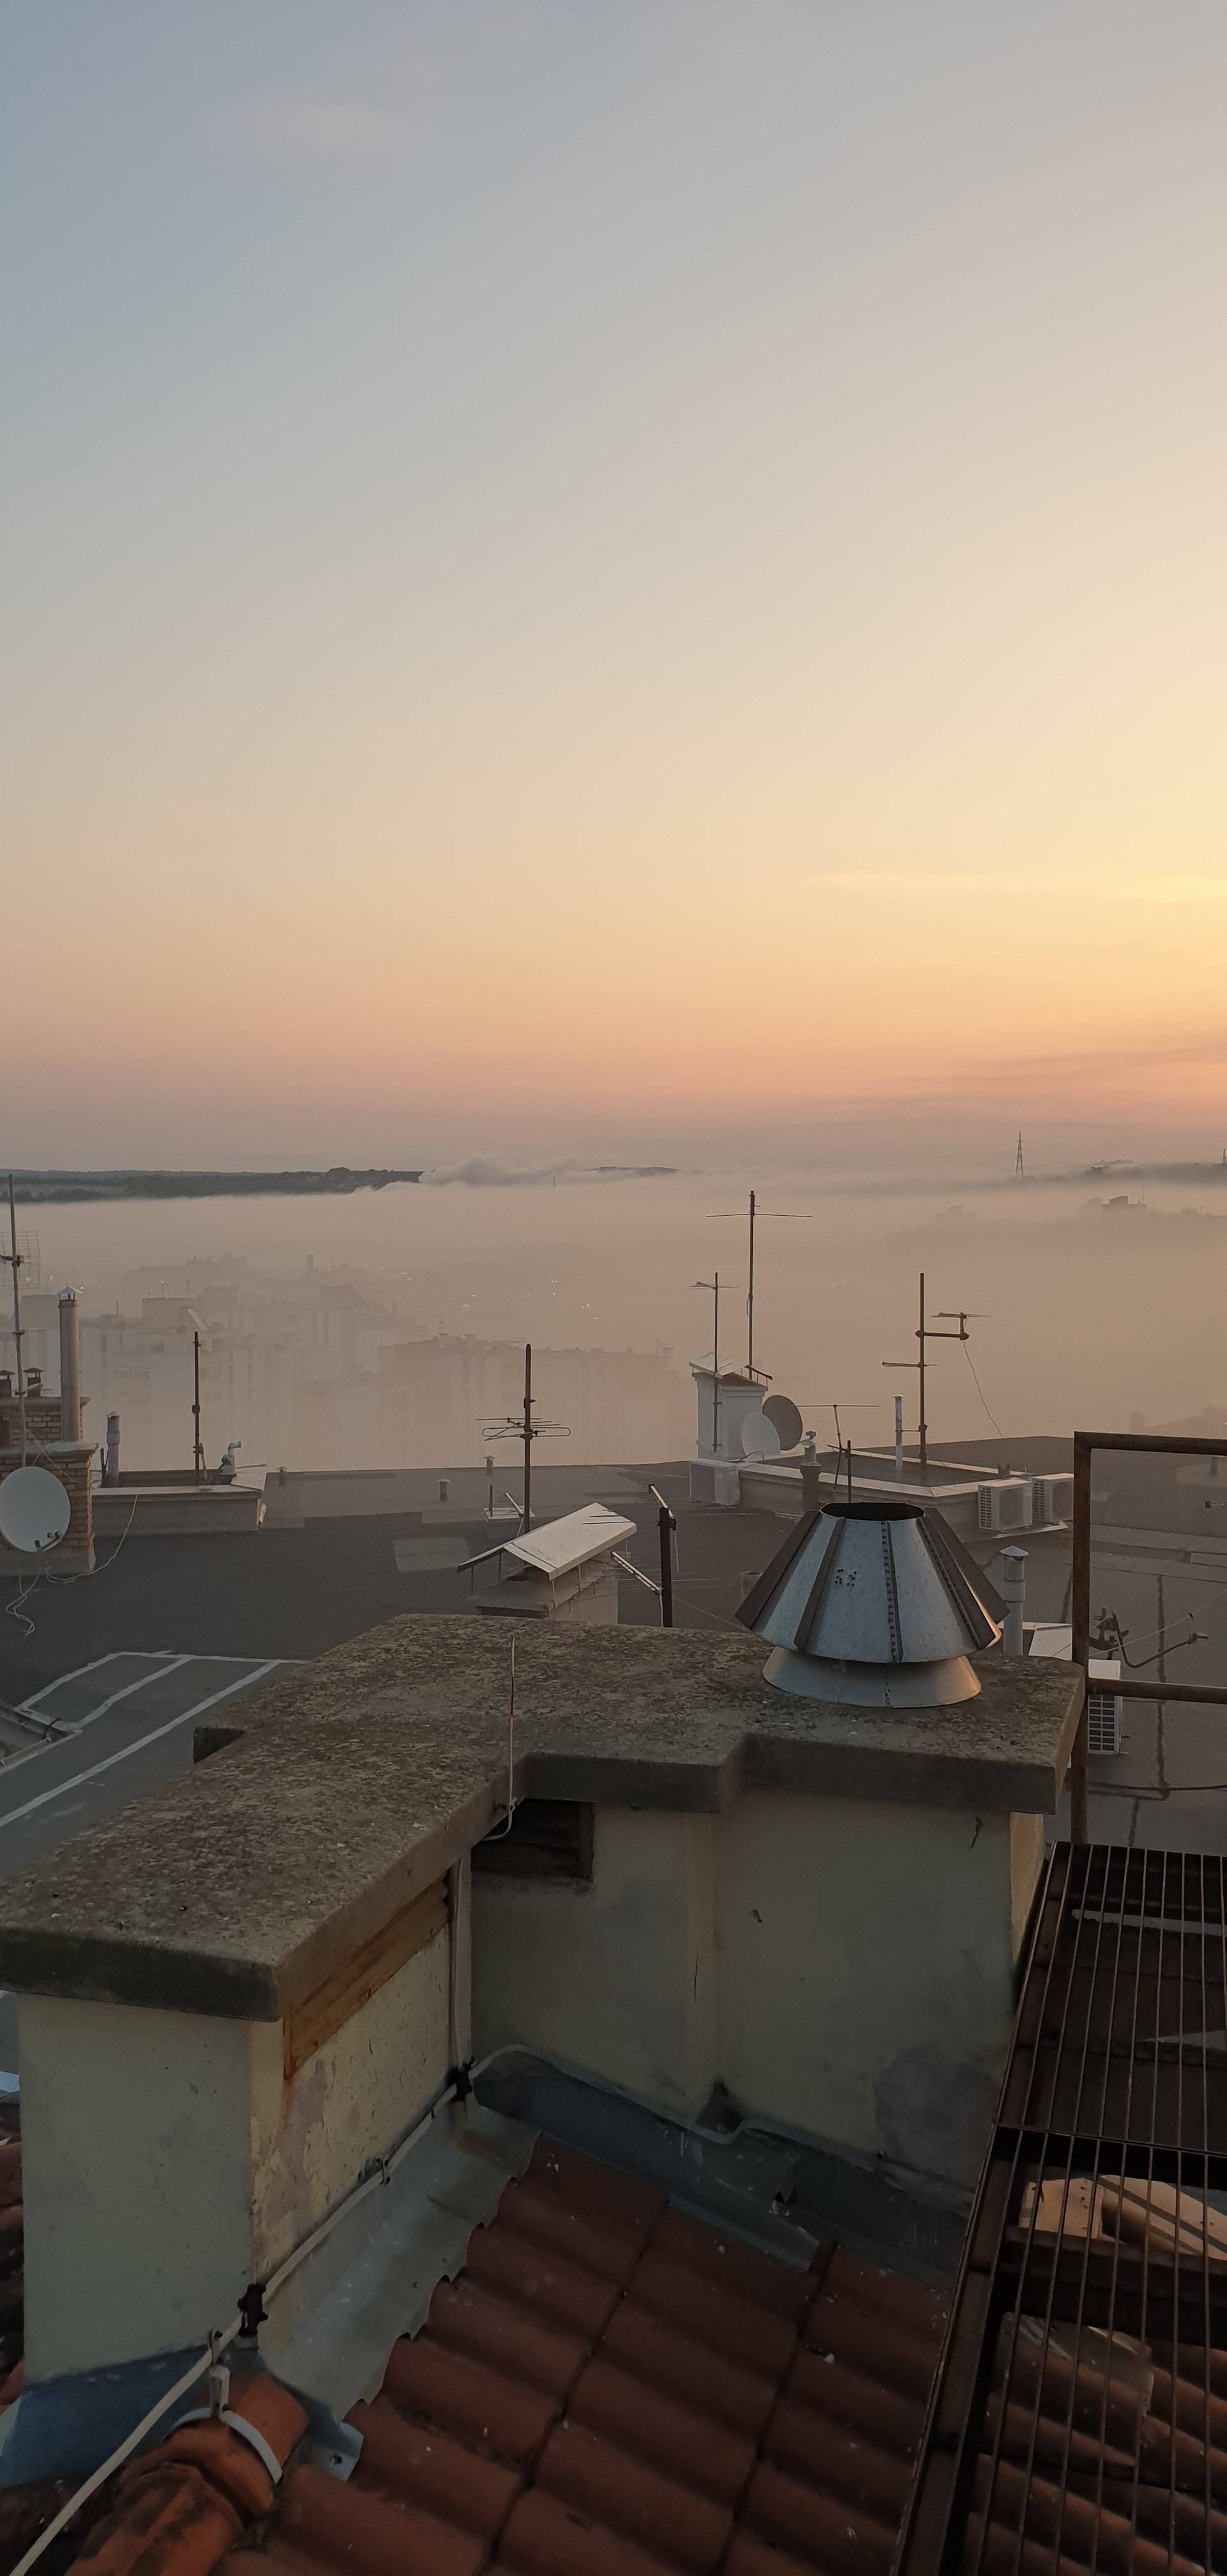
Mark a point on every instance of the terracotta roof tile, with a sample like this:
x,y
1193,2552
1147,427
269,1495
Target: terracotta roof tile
x,y
504,2338
346,2526
172,2518
665,2357
661,2516
822,2530
827,2455
415,2466
546,2538
609,2388
739,2269
701,2307
662,2430
605,2246
549,2284
621,2199
499,2419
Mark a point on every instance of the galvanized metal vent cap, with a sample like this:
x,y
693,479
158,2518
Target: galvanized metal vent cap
x,y
871,1602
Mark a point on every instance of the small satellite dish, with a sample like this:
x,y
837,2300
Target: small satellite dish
x,y
759,1438
34,1510
782,1413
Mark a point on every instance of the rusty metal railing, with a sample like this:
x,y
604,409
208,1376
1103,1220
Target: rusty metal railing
x,y
1205,1694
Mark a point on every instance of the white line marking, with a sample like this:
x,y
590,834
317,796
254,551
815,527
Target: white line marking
x,y
47,1795
31,1703
141,1683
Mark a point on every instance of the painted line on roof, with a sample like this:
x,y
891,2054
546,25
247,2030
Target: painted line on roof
x,y
119,1657
141,1683
46,1796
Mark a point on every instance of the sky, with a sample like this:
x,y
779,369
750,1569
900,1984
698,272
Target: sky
x,y
582,576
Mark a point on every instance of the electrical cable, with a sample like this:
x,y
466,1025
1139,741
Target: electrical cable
x,y
980,1391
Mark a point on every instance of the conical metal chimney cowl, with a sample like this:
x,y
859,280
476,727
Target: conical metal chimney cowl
x,y
872,1602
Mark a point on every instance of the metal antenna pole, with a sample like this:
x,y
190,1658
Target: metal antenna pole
x,y
197,1443
666,1524
14,1258
750,1299
528,1433
924,1428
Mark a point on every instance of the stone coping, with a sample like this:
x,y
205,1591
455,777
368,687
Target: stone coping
x,y
349,1784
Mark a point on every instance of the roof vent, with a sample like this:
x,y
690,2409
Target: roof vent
x,y
873,1602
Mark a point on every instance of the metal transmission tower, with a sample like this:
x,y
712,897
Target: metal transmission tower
x,y
1020,1172
928,1333
521,1426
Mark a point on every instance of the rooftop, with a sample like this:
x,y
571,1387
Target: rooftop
x,y
608,2387
187,1898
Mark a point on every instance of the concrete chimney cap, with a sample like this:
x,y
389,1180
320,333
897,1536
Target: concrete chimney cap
x,y
871,1600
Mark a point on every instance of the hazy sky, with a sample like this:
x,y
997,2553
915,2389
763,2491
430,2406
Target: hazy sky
x,y
600,568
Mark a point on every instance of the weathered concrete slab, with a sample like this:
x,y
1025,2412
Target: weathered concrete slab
x,y
358,1779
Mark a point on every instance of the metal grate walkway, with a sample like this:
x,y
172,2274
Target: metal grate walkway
x,y
1080,2415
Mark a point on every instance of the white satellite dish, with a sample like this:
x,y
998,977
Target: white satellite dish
x,y
759,1437
34,1510
782,1413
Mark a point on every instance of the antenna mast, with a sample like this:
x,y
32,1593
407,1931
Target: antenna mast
x,y
14,1259
521,1426
929,1333
1019,1169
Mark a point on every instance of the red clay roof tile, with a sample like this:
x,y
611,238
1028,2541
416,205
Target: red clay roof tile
x,y
663,2431
822,2530
411,2464
855,2398
610,2388
827,2455
546,2538
665,2357
665,2520
600,2245
500,2420
172,2519
748,2332
346,2526
544,2283
622,2199
739,2269
502,2336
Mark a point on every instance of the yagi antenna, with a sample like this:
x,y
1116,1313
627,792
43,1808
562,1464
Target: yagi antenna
x,y
521,1426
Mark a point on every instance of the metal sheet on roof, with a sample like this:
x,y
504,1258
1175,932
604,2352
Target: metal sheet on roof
x,y
560,1546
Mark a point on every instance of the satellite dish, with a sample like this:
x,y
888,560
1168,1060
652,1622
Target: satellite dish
x,y
34,1510
782,1413
759,1439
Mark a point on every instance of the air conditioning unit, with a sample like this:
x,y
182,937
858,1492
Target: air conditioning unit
x,y
1054,1501
1102,1721
1005,1505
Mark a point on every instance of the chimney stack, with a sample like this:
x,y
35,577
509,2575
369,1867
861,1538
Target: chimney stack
x,y
70,1366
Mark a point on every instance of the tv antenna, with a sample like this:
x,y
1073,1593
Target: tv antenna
x,y
713,1287
14,1258
1020,1173
928,1333
787,1216
521,1426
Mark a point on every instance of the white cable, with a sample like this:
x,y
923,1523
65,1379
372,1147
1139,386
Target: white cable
x,y
60,2521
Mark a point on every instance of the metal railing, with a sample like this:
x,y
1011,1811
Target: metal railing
x,y
1203,1694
